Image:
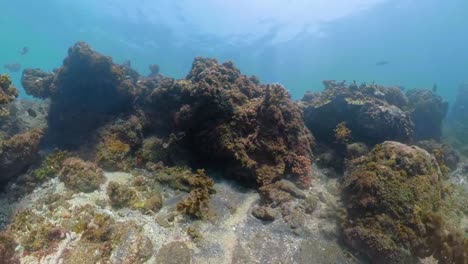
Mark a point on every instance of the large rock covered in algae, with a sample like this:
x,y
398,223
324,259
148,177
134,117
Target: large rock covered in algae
x,y
87,91
391,196
254,132
373,113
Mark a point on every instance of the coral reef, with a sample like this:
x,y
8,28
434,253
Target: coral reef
x,y
18,153
386,194
81,176
427,111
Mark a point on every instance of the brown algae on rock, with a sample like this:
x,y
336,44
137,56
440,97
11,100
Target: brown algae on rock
x,y
81,176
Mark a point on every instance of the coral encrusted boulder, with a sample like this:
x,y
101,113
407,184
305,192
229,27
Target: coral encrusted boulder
x,y
86,92
253,132
372,113
388,194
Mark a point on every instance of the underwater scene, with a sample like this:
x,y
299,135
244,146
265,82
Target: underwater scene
x,y
232,132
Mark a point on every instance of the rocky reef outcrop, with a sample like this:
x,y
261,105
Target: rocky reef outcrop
x,y
215,117
139,158
85,93
254,132
372,113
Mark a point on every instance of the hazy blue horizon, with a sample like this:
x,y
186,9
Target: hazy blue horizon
x,y
297,44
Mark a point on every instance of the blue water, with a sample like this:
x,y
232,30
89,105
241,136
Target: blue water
x,y
296,43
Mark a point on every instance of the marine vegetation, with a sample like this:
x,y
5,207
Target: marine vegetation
x,y
50,166
34,232
441,242
8,93
121,195
389,195
445,155
166,134
196,203
18,153
7,249
81,176
342,133
117,143
253,132
37,83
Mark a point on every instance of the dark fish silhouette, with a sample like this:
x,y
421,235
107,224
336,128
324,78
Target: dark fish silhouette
x,y
12,67
434,88
23,51
382,63
32,113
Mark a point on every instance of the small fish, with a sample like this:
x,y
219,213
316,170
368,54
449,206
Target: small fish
x,y
434,88
12,67
32,113
23,51
382,63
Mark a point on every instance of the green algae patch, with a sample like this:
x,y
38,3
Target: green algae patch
x,y
51,166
